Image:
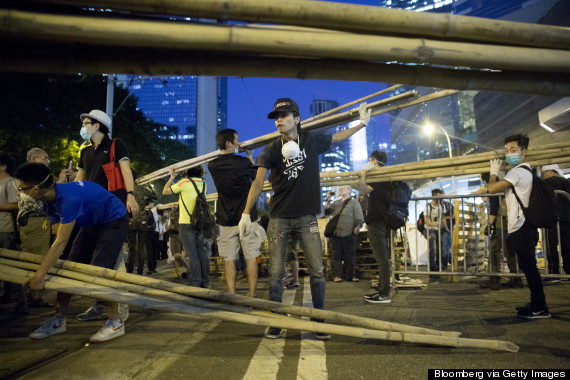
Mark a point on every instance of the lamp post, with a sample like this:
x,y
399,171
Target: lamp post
x,y
429,128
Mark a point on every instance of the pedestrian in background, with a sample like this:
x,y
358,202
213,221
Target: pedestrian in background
x,y
350,221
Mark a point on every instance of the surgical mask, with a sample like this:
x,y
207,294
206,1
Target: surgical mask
x,y
513,159
84,135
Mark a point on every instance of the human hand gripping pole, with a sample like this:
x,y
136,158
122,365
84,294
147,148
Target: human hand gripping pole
x,y
244,225
495,167
364,112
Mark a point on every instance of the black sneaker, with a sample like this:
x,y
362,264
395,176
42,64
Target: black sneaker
x,y
322,336
273,333
513,284
531,313
379,299
371,295
524,308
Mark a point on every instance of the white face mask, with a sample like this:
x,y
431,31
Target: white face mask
x,y
84,134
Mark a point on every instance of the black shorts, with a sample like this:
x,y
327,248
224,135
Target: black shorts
x,y
100,245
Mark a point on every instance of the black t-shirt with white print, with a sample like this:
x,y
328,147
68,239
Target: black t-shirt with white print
x,y
296,183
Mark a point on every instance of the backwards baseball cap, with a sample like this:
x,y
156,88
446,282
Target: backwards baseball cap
x,y
553,167
99,116
283,105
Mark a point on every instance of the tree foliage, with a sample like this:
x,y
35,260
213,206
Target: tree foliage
x,y
42,110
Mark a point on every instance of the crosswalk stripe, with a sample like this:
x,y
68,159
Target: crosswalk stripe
x,y
313,356
265,362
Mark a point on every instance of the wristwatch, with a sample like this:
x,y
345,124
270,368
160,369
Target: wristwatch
x,y
131,192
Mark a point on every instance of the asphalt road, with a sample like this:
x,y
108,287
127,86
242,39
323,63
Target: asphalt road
x,y
176,346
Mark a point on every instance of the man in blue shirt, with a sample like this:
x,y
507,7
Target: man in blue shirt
x,y
103,223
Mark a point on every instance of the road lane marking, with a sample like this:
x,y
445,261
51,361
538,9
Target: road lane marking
x,y
313,356
267,358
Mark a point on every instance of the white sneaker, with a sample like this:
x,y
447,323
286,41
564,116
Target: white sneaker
x,y
110,330
50,327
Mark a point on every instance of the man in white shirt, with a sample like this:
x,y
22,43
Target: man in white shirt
x,y
522,237
437,219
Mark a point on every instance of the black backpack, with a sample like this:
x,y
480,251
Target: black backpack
x,y
150,222
421,225
201,218
542,210
400,194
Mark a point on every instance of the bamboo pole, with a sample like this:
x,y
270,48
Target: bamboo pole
x,y
263,140
228,298
91,290
354,102
152,34
139,289
353,18
25,55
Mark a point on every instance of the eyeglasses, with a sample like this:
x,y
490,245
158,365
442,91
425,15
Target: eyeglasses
x,y
20,189
86,123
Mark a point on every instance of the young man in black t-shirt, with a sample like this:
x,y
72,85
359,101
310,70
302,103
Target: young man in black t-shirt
x,y
232,176
293,159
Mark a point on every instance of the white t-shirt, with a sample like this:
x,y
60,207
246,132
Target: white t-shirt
x,y
521,179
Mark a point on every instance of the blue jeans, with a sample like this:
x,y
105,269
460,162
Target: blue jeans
x,y
198,263
306,230
434,250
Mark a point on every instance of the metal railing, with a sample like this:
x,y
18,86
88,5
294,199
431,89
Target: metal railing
x,y
470,247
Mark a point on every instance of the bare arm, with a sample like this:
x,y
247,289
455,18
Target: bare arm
x,y
9,207
132,205
339,136
36,282
167,190
363,188
256,189
80,175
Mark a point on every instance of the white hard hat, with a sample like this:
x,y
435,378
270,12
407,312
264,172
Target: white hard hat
x,y
290,150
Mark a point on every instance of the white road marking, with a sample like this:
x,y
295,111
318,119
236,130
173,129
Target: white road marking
x,y
313,356
265,362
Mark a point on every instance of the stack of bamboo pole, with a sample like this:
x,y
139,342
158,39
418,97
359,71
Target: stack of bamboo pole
x,y
556,153
472,53
110,285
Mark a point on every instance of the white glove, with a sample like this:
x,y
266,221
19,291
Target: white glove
x,y
368,166
244,225
364,113
495,167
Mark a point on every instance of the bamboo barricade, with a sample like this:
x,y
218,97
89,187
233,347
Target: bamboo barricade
x,y
13,274
71,59
274,41
315,124
556,153
352,18
223,297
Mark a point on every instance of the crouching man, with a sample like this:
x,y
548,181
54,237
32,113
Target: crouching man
x,y
103,222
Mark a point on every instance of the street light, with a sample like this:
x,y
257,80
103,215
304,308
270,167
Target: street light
x,y
428,129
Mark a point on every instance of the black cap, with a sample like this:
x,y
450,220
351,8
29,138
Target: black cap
x,y
283,105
